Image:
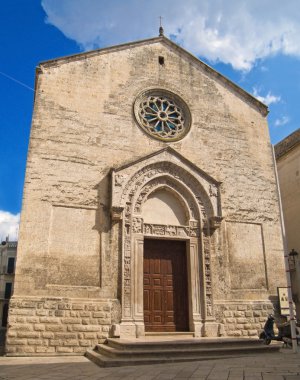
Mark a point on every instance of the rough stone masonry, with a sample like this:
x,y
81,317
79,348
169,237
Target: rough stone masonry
x,y
132,144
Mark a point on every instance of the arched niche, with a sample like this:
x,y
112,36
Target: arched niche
x,y
162,206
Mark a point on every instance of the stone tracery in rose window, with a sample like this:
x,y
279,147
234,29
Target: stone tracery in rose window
x,y
162,116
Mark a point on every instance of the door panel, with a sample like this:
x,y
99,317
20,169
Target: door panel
x,y
165,286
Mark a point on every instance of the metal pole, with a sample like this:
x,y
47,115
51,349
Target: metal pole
x,y
286,262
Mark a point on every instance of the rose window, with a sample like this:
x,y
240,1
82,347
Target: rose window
x,y
162,115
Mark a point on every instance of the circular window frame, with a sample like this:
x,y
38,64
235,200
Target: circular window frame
x,y
179,103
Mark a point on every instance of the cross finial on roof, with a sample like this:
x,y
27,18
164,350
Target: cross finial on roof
x,y
161,29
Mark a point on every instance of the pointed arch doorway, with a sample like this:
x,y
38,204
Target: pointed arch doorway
x,y
164,196
165,286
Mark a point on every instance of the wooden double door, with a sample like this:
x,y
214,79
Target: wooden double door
x,y
165,286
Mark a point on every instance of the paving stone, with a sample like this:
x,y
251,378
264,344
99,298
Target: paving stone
x,y
263,367
217,376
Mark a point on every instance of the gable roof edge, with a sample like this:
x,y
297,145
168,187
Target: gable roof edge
x,y
263,108
91,53
287,144
255,102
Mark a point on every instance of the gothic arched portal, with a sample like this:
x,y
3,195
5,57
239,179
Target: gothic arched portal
x,y
163,197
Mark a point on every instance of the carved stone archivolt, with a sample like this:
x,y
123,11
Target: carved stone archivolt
x,y
178,174
166,175
199,196
128,180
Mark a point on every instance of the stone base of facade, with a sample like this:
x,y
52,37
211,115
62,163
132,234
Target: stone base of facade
x,y
56,326
60,326
242,319
210,329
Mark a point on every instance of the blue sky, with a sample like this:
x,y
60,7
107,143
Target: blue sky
x,y
255,45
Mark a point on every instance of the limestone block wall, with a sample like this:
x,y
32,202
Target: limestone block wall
x,y
243,319
57,326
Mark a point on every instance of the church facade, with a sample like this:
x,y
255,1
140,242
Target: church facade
x,y
150,204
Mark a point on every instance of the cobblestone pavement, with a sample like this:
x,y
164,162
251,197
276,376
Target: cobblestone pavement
x,y
276,366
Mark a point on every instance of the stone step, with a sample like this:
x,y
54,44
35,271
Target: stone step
x,y
181,344
175,351
169,335
133,353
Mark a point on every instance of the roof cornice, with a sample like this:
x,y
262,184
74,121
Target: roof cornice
x,y
287,144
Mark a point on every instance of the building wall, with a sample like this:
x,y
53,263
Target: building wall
x,y
289,179
68,271
288,166
8,250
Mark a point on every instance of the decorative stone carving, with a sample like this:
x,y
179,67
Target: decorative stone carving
x,y
194,232
194,228
207,274
127,211
127,276
215,222
167,168
132,180
166,230
171,231
119,179
158,229
137,225
116,213
213,191
162,114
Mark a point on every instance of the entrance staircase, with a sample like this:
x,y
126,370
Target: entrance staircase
x,y
165,349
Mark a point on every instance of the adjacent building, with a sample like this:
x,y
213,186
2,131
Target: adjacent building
x,y
150,203
8,252
287,154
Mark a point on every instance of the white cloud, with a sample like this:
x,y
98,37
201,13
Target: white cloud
x,y
9,225
281,121
231,31
268,99
263,69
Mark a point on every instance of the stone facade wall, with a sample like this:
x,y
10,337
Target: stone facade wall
x,y
83,126
56,326
243,320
